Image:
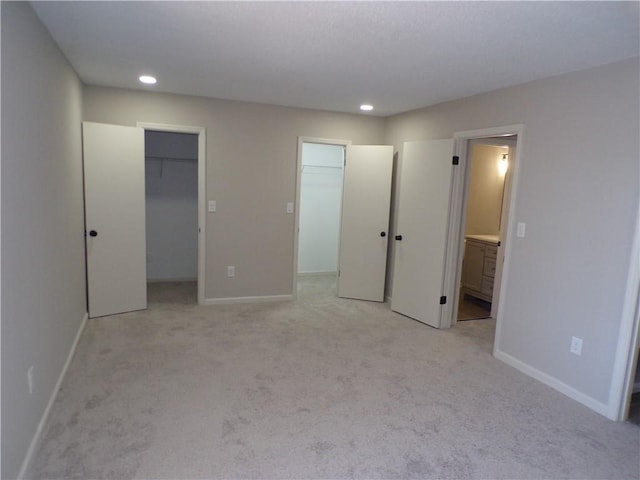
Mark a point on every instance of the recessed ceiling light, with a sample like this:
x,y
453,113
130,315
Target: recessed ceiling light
x,y
366,107
148,79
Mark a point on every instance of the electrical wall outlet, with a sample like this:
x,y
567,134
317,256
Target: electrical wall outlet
x,y
30,378
576,346
231,271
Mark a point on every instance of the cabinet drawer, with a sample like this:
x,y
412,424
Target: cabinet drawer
x,y
489,268
487,285
491,251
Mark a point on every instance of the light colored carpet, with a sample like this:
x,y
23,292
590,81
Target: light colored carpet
x,y
317,388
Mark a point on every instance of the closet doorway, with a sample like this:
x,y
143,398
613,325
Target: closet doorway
x,y
175,218
341,226
320,204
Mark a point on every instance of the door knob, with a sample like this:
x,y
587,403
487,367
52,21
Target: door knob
x,y
93,233
383,234
398,237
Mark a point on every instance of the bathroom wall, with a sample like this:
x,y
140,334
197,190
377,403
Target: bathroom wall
x,y
484,193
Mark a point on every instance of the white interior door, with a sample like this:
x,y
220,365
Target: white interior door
x,y
425,171
365,221
115,218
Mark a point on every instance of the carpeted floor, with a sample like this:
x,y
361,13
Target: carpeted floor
x,y
317,388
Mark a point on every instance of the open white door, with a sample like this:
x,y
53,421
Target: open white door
x,y
365,220
115,218
425,171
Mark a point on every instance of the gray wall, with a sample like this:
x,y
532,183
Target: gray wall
x,y
484,191
578,194
43,282
251,174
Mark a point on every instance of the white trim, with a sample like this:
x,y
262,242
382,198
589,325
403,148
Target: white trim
x,y
626,351
43,420
553,382
296,227
232,300
202,192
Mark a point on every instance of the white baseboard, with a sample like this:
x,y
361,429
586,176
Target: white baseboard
x,y
316,274
229,300
177,279
52,399
554,383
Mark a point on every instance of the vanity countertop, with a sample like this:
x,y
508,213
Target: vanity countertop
x,y
494,239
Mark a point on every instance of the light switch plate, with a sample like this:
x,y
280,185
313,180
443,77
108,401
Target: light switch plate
x,y
520,228
290,207
576,346
211,206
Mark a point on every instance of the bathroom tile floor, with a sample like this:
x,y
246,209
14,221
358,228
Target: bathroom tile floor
x,y
471,308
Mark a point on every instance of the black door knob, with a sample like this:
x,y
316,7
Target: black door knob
x,y
93,233
383,234
398,237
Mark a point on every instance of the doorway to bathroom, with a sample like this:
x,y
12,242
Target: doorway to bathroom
x,y
485,201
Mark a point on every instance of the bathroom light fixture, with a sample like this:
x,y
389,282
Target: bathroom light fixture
x,y
366,107
148,79
503,164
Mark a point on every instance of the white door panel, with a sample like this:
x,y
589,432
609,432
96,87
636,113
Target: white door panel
x,y
365,222
425,171
115,218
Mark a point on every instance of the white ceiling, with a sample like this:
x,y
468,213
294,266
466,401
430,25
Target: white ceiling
x,y
336,55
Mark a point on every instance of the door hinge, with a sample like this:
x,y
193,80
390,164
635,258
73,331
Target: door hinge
x,y
443,300
456,160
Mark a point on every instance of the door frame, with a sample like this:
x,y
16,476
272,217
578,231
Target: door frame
x,y
201,132
296,227
455,243
504,211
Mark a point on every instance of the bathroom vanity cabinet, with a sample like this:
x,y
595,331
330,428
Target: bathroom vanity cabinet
x,y
479,266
